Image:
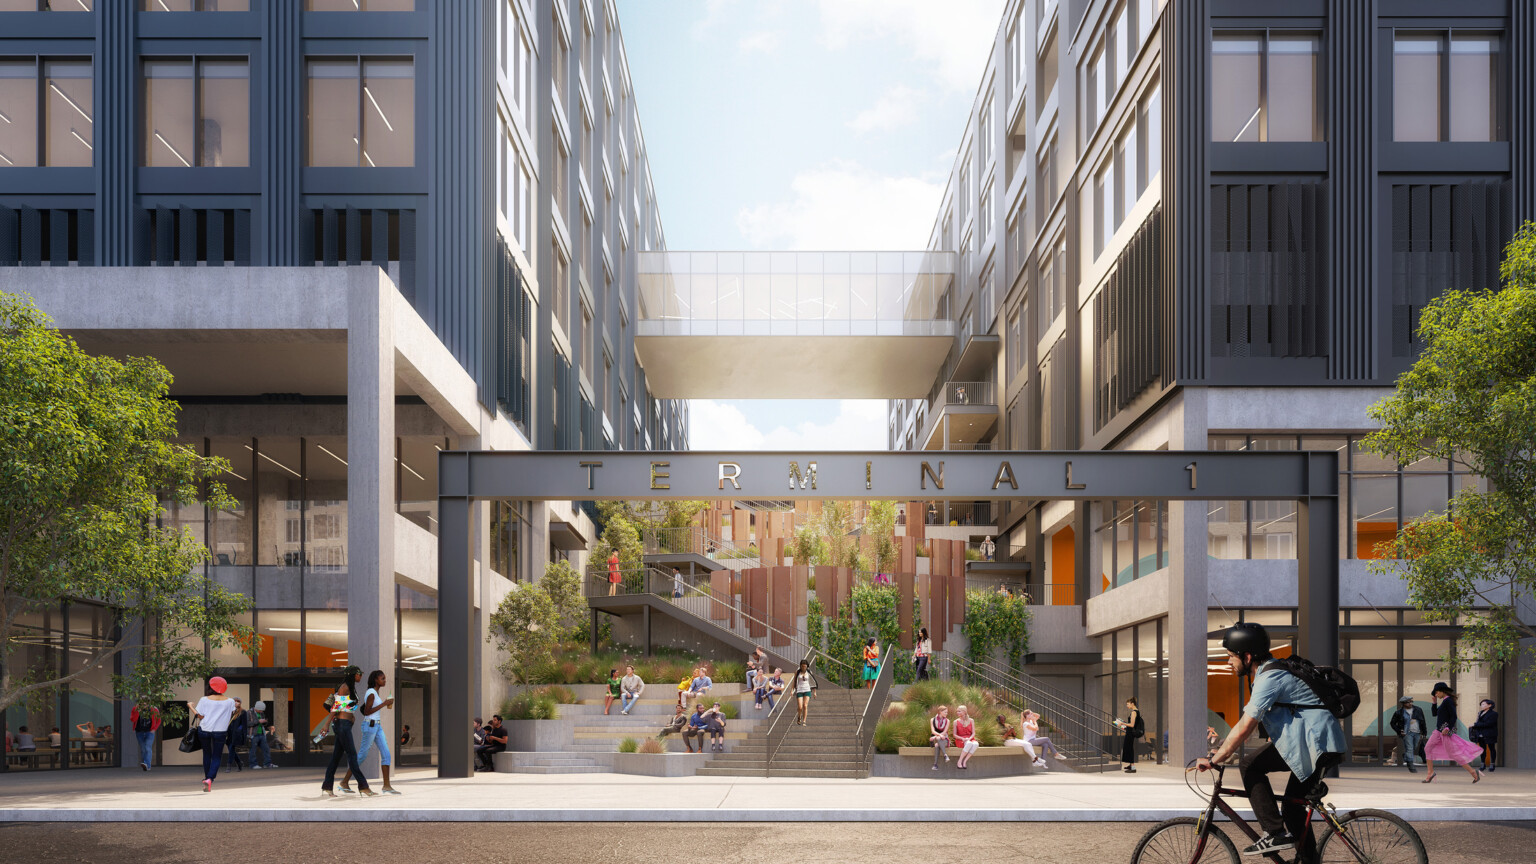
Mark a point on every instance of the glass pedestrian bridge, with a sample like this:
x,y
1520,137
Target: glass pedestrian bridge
x,y
781,325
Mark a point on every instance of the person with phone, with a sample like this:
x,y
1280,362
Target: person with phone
x,y
373,706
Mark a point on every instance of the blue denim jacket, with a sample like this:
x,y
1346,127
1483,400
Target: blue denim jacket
x,y
1301,736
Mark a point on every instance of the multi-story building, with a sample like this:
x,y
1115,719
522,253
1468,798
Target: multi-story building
x,y
357,233
1211,224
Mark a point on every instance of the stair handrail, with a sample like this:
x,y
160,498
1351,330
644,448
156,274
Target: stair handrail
x,y
1051,693
874,706
651,536
1075,720
650,572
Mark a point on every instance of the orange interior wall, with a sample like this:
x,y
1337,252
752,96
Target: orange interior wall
x,y
1368,534
1063,567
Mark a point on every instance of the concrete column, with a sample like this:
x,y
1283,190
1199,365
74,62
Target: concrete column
x,y
370,477
455,619
1188,590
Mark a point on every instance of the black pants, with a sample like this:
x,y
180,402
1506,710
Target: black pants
x,y
1490,751
344,747
1128,749
1292,818
922,668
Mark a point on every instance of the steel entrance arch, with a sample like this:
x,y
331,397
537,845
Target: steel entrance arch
x,y
1311,479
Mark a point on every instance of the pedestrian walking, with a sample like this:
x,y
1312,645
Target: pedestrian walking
x,y
677,584
1444,743
342,707
805,689
145,720
373,734
871,663
922,653
353,675
1408,722
210,717
237,735
988,548
1485,733
1134,727
613,573
260,754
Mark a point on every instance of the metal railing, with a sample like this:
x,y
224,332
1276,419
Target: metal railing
x,y
966,393
697,603
864,736
1084,733
696,540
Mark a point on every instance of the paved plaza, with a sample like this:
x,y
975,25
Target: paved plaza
x,y
293,795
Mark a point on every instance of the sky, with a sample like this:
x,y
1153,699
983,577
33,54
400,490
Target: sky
x,y
802,124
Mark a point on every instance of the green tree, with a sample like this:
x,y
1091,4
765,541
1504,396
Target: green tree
x,y
1471,398
881,525
86,462
619,533
563,585
837,526
526,627
808,547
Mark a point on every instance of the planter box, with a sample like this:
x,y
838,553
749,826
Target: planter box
x,y
917,762
659,764
540,735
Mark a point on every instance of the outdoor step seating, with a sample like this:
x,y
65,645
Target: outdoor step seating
x,y
985,762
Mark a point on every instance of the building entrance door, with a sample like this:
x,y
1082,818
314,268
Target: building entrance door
x,y
415,707
1370,736
285,709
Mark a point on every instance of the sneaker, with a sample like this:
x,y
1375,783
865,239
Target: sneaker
x,y
255,767
1271,843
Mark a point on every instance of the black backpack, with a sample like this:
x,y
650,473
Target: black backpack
x,y
1337,691
145,723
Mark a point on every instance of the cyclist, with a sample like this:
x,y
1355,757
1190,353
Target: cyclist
x,y
1302,741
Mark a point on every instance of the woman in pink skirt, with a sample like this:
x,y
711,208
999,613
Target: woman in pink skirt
x,y
1444,743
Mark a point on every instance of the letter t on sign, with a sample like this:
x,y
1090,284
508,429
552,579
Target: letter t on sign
x,y
591,468
730,471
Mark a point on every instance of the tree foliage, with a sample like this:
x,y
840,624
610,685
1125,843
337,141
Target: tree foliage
x,y
1471,398
86,461
621,533
996,621
526,625
563,585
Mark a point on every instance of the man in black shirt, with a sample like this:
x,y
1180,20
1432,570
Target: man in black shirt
x,y
495,742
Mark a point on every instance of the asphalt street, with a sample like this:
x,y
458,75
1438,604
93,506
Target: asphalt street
x,y
591,843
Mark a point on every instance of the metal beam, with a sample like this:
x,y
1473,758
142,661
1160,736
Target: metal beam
x,y
908,476
456,690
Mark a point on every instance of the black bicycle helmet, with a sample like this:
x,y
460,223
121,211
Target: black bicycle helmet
x,y
1247,637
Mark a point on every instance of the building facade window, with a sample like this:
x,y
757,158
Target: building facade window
x,y
359,5
1045,81
1133,538
362,113
1264,86
1149,128
1446,86
47,108
1376,498
195,5
197,112
47,5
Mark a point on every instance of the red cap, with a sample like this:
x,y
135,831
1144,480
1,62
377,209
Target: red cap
x,y
218,684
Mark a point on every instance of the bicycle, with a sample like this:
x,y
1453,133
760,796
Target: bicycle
x,y
1357,837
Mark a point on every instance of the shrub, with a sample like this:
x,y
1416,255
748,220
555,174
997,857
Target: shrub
x,y
907,726
532,705
732,671
651,745
560,693
629,745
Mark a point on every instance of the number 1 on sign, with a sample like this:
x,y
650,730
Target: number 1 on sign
x,y
1191,469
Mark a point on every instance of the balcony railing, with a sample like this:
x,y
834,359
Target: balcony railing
x,y
967,393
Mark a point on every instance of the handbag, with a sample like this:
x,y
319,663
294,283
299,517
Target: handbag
x,y
190,742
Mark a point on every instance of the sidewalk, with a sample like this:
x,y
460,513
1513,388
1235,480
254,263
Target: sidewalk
x,y
293,795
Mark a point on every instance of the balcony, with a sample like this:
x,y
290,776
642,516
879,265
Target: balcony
x,y
770,325
963,417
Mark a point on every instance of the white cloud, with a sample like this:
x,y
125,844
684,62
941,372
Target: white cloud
x,y
761,42
860,424
844,206
714,13
955,36
896,108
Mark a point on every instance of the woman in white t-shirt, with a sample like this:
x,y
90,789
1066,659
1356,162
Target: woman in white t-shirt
x,y
211,718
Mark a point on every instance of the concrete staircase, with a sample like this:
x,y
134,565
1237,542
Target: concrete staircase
x,y
824,747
